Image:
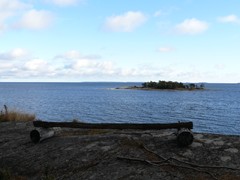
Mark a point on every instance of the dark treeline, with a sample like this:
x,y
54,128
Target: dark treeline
x,y
170,85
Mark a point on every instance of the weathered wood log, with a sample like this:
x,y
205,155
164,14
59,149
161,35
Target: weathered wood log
x,y
184,137
153,126
41,135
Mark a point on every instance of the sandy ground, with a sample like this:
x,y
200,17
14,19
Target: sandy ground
x,y
115,154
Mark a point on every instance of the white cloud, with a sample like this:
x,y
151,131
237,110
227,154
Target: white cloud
x,y
35,20
76,63
30,18
36,65
6,5
93,67
9,9
166,49
229,19
38,68
5,66
76,67
18,64
126,22
63,2
73,54
2,28
4,14
71,65
17,53
220,66
191,26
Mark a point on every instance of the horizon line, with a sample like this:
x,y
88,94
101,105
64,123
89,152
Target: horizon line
x,y
111,82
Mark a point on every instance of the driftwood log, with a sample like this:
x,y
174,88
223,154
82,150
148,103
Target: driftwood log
x,y
154,126
184,135
41,134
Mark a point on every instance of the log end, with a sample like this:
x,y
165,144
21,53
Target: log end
x,y
184,137
35,136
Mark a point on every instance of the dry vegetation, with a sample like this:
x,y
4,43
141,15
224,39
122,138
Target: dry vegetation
x,y
14,115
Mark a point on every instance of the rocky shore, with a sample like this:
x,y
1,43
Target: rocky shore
x,y
115,154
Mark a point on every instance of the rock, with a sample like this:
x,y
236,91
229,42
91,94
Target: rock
x,y
209,141
232,150
188,153
196,144
218,143
198,136
225,158
106,148
90,146
87,154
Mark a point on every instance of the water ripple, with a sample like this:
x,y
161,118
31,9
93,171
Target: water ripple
x,y
214,110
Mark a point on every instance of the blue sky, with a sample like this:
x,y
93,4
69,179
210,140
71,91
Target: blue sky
x,y
137,40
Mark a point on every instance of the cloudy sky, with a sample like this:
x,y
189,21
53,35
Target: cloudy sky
x,y
119,40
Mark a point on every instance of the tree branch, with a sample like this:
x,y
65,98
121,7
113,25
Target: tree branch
x,y
170,162
163,163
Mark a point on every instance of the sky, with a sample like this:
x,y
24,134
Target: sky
x,y
119,40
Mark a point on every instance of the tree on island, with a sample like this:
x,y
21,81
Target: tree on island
x,y
170,85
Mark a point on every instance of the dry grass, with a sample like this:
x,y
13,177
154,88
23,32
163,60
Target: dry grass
x,y
14,115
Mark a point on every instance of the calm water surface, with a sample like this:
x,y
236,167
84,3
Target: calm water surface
x,y
214,110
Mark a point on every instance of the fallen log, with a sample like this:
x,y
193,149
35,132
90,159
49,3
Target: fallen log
x,y
153,126
184,137
41,135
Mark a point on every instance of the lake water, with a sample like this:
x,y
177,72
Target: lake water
x,y
214,110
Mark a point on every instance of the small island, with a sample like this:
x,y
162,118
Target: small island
x,y
167,85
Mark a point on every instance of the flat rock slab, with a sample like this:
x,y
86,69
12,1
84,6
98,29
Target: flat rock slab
x,y
99,154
